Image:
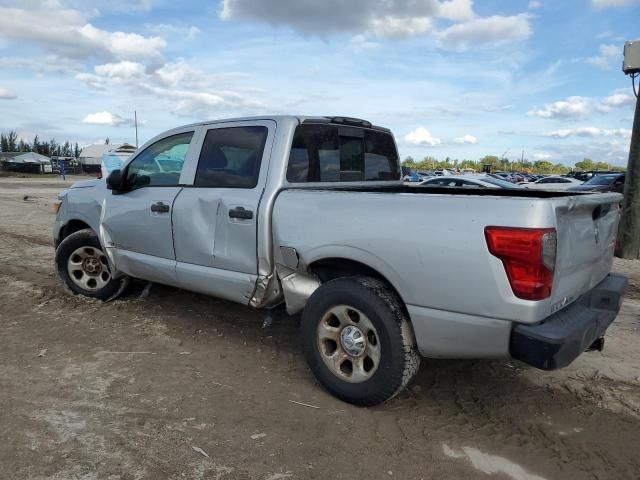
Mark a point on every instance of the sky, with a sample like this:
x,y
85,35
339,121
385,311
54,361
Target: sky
x,y
451,78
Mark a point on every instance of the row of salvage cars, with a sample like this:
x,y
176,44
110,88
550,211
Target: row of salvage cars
x,y
604,182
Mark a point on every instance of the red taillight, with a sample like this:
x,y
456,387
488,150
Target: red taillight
x,y
528,256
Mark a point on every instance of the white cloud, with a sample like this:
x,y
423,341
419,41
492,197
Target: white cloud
x,y
106,118
67,33
6,94
613,3
166,30
572,107
618,99
361,42
188,91
534,5
398,27
421,136
485,31
124,69
466,139
193,33
456,10
382,18
608,55
590,132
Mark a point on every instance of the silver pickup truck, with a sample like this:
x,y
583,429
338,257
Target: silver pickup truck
x,y
310,212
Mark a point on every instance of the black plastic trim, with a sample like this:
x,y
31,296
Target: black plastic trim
x,y
562,337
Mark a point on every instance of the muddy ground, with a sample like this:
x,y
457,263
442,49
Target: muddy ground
x,y
175,385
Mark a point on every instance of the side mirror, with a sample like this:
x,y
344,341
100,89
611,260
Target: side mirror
x,y
114,181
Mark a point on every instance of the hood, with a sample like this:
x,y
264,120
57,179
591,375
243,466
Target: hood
x,y
86,183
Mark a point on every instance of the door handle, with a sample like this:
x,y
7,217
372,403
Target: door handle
x,y
241,212
159,207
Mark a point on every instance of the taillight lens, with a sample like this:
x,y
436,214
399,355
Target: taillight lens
x,y
528,256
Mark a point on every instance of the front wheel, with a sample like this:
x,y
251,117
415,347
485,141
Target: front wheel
x,y
358,341
83,267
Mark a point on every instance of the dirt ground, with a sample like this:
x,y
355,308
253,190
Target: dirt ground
x,y
174,385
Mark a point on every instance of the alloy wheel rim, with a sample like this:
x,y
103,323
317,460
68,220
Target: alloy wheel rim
x,y
88,268
349,344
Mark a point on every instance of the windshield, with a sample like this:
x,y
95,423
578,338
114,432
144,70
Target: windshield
x,y
602,180
500,183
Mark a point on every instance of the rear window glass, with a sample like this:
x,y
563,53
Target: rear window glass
x,y
333,153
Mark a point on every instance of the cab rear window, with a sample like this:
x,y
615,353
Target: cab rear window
x,y
334,153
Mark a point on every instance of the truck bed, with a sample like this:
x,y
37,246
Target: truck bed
x,y
494,192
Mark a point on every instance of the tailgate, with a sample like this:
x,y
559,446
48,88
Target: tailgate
x,y
587,227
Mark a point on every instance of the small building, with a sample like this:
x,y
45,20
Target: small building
x,y
91,156
26,162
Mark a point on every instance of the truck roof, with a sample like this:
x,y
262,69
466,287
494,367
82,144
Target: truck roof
x,y
298,118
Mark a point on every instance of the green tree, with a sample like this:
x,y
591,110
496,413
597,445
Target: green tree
x,y
12,139
602,166
23,147
76,151
490,160
542,166
585,164
560,169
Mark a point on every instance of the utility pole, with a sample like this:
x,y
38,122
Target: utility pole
x,y
629,230
135,116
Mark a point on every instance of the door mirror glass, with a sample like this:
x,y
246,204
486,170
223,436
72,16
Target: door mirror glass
x,y
114,181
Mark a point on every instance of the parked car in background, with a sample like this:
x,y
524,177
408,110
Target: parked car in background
x,y
554,183
413,177
468,181
588,175
611,182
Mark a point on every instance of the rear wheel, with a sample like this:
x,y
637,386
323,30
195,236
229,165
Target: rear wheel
x,y
358,341
83,266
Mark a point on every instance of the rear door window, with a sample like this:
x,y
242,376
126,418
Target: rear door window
x,y
332,153
230,157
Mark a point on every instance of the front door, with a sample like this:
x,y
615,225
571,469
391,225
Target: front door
x,y
215,218
136,223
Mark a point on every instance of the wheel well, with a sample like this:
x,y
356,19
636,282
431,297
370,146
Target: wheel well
x,y
331,268
72,226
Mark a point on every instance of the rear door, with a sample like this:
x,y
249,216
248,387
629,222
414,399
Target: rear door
x,y
136,223
215,216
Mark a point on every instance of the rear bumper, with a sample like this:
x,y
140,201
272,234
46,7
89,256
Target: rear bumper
x,y
562,337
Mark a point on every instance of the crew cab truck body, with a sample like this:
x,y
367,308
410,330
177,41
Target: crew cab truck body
x,y
311,212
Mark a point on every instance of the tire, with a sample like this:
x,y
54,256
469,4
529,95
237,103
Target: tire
x,y
380,350
83,267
